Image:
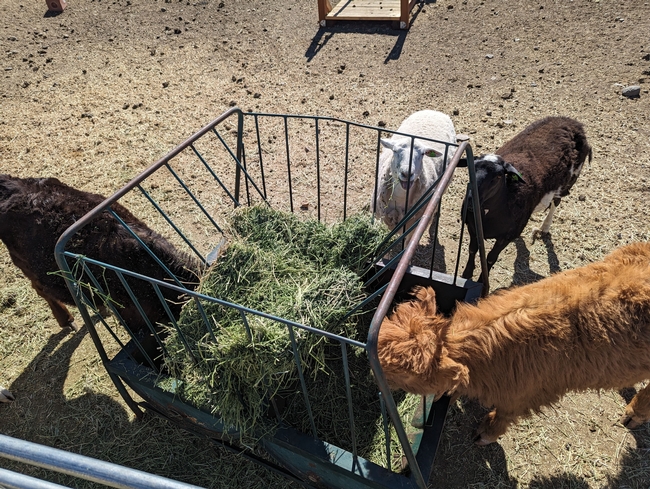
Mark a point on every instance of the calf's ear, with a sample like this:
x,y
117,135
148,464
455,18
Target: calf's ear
x,y
513,174
426,297
451,374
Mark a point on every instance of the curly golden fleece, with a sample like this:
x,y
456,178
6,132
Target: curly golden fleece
x,y
524,348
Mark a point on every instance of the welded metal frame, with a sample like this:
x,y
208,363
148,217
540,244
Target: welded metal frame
x,y
245,187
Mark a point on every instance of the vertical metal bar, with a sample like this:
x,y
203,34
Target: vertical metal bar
x,y
246,326
259,153
437,226
384,417
376,189
348,392
463,217
303,384
204,316
346,169
434,238
478,220
240,150
247,181
408,188
286,142
318,189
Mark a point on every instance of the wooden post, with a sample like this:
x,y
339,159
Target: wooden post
x,y
56,5
324,8
404,14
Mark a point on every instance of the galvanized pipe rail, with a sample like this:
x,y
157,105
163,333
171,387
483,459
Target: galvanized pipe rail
x,y
64,462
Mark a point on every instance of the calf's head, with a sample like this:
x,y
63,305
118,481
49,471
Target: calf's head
x,y
412,351
404,169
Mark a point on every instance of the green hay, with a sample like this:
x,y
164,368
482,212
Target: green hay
x,y
301,271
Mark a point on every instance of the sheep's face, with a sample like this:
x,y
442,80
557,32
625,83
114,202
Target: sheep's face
x,y
406,171
492,175
411,349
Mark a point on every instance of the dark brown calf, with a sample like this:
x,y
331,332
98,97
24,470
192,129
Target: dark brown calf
x,y
34,212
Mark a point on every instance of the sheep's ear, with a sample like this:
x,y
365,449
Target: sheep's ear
x,y
387,143
426,297
432,152
513,174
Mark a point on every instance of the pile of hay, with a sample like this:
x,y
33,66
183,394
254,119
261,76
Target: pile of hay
x,y
302,271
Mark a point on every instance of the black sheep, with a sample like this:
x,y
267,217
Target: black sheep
x,y
530,173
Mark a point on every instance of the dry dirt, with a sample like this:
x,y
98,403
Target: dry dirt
x,y
97,93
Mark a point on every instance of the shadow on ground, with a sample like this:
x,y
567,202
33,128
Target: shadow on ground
x,y
461,464
523,273
98,426
325,34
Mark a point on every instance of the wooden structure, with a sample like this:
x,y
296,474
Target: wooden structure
x,y
56,5
391,10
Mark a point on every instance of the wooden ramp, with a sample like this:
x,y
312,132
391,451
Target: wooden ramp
x,y
397,11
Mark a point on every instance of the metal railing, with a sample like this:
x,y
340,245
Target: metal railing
x,y
252,184
76,465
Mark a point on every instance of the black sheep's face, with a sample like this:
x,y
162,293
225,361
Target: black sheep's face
x,y
492,175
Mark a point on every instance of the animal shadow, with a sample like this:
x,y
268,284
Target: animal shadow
x,y
634,470
459,462
522,273
431,256
54,410
564,481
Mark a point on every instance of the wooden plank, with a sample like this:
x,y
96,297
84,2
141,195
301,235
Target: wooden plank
x,y
366,10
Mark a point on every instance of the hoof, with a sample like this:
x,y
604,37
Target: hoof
x,y
481,440
6,396
539,234
629,422
72,326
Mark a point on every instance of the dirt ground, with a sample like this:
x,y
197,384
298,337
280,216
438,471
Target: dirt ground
x,y
97,93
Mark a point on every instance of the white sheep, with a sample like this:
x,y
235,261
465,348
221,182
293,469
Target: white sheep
x,y
399,174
